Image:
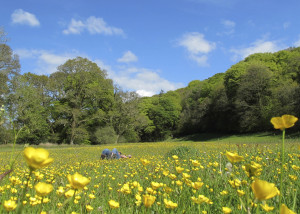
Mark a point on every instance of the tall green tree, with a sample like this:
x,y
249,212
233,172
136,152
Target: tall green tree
x,y
84,96
253,98
163,112
9,67
31,105
125,116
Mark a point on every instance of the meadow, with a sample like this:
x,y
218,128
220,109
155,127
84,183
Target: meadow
x,y
163,177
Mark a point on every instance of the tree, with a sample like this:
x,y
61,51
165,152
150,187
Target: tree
x,y
125,117
9,67
163,112
84,96
252,99
30,103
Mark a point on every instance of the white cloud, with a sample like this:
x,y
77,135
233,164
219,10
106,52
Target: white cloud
x,y
228,23
201,60
20,16
75,27
195,43
93,25
128,56
229,27
197,47
259,46
46,62
144,93
145,82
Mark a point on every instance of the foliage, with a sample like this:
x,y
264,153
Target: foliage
x,y
105,135
74,103
163,113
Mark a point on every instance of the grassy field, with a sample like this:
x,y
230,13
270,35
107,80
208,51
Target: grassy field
x,y
183,176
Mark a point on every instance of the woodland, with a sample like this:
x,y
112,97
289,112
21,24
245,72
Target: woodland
x,y
79,104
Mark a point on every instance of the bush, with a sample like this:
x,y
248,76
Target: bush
x,y
131,136
184,152
105,135
81,136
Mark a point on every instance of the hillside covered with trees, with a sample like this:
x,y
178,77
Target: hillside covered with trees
x,y
80,104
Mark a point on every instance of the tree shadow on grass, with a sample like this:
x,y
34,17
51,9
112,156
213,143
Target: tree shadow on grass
x,y
203,137
251,137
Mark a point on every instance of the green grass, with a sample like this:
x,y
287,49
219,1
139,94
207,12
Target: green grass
x,y
108,177
265,137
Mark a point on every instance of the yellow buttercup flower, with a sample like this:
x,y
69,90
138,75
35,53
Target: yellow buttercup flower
x,y
138,197
170,204
179,183
241,192
78,181
88,208
37,158
60,190
145,162
235,183
172,176
70,193
264,190
113,204
284,122
197,185
92,196
10,205
138,200
175,157
186,175
179,169
125,189
195,163
267,208
148,200
285,210
224,192
155,185
234,157
201,199
253,169
226,210
43,189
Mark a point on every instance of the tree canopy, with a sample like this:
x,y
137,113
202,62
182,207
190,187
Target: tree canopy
x,y
80,104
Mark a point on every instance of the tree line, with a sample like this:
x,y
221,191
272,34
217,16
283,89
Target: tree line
x,y
79,104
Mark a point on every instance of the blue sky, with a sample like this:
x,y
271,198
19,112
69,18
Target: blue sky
x,y
148,45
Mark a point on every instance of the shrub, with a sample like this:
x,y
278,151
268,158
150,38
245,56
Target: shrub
x,y
105,135
81,136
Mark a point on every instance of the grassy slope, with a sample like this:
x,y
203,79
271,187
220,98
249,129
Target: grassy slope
x,y
266,137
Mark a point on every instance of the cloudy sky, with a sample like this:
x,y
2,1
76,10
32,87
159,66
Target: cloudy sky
x,y
148,45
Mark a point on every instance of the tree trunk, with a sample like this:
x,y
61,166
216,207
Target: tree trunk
x,y
73,126
117,139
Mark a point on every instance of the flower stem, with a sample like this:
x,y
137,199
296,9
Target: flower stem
x,y
281,171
